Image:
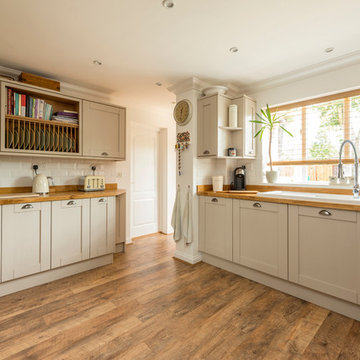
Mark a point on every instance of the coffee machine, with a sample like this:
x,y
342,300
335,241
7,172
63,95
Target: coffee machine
x,y
239,178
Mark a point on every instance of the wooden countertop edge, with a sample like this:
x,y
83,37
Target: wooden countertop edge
x,y
318,204
63,196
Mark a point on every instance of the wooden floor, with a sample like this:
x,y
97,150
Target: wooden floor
x,y
149,306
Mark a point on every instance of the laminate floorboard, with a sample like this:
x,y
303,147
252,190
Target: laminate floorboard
x,y
147,305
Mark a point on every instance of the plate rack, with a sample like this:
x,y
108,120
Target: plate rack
x,y
24,133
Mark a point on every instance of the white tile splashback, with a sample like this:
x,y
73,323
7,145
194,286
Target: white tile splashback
x,y
207,168
17,171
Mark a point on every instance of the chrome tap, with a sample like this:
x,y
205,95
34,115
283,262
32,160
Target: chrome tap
x,y
356,167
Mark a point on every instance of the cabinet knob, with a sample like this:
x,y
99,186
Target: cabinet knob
x,y
214,200
27,207
206,152
71,202
325,213
257,205
104,153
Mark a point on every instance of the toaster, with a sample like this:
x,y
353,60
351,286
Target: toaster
x,y
92,183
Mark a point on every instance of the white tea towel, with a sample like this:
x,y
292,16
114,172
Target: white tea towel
x,y
176,217
187,219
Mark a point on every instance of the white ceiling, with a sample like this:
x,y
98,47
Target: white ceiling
x,y
140,42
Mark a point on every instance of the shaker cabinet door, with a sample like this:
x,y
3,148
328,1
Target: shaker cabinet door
x,y
104,131
207,126
70,231
102,226
260,236
25,239
249,127
324,249
215,227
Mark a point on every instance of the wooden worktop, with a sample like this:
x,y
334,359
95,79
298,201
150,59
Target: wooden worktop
x,y
206,190
66,192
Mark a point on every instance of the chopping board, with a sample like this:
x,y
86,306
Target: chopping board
x,y
239,191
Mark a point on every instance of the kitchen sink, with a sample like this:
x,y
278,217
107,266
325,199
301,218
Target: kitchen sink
x,y
343,199
16,196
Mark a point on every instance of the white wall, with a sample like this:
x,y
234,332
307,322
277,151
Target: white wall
x,y
17,170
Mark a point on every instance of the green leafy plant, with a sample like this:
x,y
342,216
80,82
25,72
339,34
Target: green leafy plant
x,y
269,121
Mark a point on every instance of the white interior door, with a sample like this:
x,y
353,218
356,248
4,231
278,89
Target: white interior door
x,y
144,181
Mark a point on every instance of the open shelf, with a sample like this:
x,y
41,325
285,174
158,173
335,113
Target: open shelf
x,y
230,157
23,133
230,128
46,122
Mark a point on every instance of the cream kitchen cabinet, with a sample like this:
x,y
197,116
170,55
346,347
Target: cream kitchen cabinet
x,y
214,134
324,250
212,111
260,236
246,113
70,231
102,226
25,239
104,131
215,227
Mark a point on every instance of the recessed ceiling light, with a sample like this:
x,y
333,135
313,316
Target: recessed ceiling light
x,y
158,83
234,49
329,49
168,4
97,62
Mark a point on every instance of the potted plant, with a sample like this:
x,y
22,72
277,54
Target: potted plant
x,y
269,122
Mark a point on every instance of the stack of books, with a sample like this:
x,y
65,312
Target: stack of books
x,y
67,116
25,105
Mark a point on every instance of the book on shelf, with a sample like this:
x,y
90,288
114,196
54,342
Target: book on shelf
x,y
27,106
71,117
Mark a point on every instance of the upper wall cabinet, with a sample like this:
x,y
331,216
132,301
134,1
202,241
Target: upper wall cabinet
x,y
104,131
246,113
27,125
214,134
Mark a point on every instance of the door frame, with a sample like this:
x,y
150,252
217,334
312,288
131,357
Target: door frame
x,y
161,175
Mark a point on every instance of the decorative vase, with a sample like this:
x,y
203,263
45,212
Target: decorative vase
x,y
272,176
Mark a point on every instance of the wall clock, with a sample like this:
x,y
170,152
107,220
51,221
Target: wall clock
x,y
183,112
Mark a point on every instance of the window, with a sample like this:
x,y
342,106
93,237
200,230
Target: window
x,y
318,126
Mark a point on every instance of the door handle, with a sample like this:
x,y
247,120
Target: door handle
x,y
71,202
104,153
257,205
206,152
325,213
214,200
27,207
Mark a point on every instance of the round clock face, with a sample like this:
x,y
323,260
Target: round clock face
x,y
183,112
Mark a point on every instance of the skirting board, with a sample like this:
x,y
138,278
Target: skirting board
x,y
120,248
329,302
55,274
187,258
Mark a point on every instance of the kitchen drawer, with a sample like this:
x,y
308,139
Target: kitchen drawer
x,y
216,200
70,203
265,206
329,213
20,208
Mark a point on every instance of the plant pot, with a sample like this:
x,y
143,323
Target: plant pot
x,y
272,176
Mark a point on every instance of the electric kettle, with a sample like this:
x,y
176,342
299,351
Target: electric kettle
x,y
40,184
